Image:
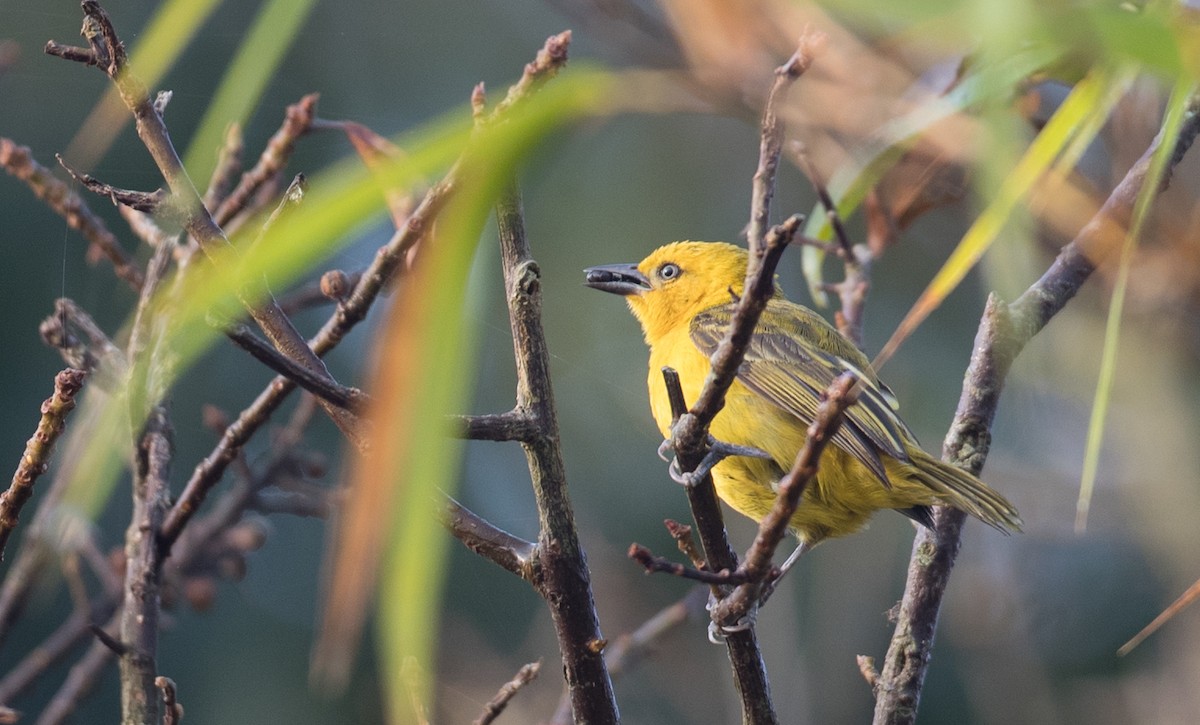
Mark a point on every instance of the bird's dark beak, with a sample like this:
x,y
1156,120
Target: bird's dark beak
x,y
620,279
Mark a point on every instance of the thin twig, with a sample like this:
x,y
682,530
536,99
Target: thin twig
x,y
690,430
662,565
350,311
844,248
36,458
228,169
19,161
190,556
1003,333
297,121
856,259
149,202
53,648
172,710
95,354
305,504
146,228
327,389
507,692
292,196
79,682
102,636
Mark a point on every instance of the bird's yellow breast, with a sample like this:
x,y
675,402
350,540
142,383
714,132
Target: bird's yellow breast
x,y
746,484
843,496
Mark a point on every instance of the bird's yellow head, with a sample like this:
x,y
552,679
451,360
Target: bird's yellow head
x,y
675,283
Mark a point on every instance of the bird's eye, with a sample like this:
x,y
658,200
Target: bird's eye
x,y
669,271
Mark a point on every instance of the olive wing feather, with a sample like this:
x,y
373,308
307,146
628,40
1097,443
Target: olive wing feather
x,y
785,366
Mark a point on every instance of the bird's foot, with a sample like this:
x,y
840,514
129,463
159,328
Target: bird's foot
x,y
717,633
717,452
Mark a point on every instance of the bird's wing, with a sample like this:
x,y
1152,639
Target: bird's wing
x,y
793,375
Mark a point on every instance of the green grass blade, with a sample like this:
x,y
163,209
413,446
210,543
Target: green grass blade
x,y
1176,107
262,50
1090,96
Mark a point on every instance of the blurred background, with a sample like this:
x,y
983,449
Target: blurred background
x,y
1031,623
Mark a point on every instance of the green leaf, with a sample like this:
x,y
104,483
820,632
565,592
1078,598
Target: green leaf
x,y
1181,96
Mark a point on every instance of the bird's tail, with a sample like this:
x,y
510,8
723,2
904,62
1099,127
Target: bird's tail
x,y
957,488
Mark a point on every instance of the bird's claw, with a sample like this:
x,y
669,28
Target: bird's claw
x,y
666,447
677,475
717,633
717,452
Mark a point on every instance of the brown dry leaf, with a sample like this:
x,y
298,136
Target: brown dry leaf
x,y
925,178
376,152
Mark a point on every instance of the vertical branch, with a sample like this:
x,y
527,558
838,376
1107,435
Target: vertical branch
x,y
562,576
139,617
1003,332
745,657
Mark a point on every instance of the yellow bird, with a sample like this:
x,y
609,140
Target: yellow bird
x,y
684,295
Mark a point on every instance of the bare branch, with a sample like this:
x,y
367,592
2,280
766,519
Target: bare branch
x,y
757,566
297,121
690,430
772,131
549,61
661,565
564,580
71,52
149,202
38,449
96,352
1003,333
228,169
143,560
507,692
